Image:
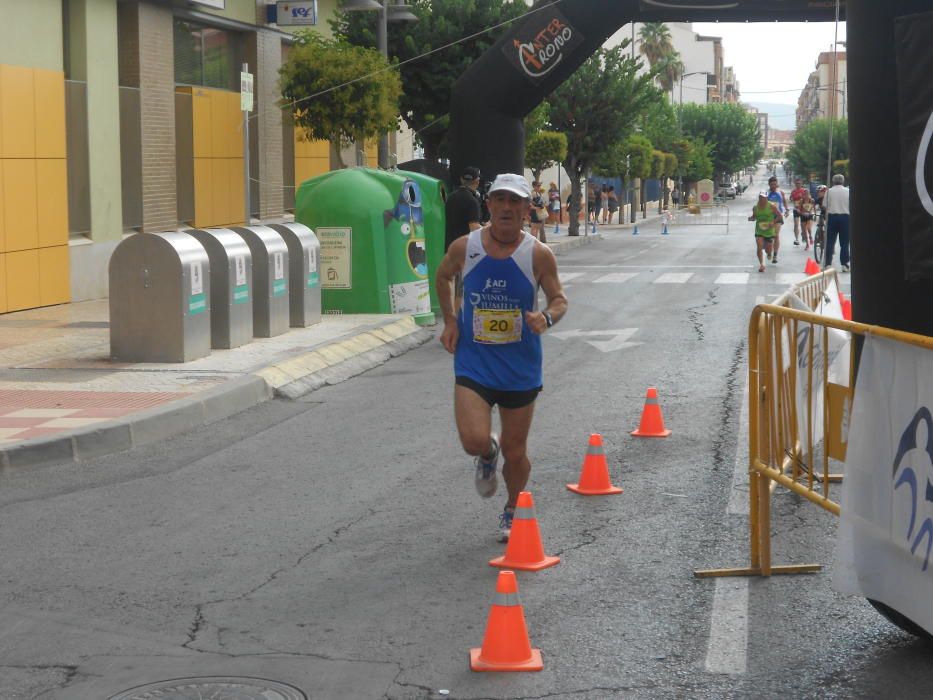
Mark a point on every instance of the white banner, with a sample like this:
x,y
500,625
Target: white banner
x,y
886,527
829,307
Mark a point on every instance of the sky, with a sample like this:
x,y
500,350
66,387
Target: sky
x,y
772,60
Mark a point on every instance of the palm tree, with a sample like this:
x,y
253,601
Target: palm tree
x,y
670,69
655,41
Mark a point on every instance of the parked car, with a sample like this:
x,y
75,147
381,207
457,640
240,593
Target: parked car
x,y
727,190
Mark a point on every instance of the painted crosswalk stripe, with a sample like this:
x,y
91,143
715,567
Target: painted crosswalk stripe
x,y
791,277
616,277
732,278
728,640
673,278
567,276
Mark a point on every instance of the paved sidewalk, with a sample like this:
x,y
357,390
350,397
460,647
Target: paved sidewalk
x,y
62,398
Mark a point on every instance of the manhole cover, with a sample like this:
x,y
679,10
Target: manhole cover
x,y
213,687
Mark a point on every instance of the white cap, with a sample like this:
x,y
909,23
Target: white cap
x,y
763,194
510,182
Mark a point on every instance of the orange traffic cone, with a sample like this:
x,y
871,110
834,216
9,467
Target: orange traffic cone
x,y
652,422
847,309
506,646
524,550
594,477
811,268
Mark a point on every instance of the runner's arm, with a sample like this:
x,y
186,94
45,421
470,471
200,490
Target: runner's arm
x,y
545,265
451,265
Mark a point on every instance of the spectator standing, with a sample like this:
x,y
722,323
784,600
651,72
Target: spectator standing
x,y
613,202
604,202
537,212
592,194
553,204
463,208
836,205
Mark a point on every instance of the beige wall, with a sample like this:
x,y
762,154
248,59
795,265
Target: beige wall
x,y
18,39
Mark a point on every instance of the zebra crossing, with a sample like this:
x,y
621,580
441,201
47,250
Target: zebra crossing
x,y
701,276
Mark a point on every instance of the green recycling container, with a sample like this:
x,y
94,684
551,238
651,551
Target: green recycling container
x,y
433,198
371,226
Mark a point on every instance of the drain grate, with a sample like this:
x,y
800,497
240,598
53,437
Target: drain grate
x,y
213,687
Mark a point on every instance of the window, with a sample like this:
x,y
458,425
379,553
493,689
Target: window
x,y
207,56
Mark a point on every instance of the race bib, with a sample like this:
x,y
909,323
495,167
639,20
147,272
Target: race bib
x,y
497,326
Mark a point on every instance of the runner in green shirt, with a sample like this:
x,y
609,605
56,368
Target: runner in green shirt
x,y
765,214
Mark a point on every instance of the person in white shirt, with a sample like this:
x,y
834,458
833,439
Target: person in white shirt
x,y
836,206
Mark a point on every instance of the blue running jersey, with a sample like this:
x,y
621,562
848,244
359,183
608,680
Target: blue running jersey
x,y
777,199
495,347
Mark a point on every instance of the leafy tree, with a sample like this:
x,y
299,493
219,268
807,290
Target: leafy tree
x,y
659,125
809,152
428,77
654,41
537,119
543,149
669,70
731,132
316,87
597,107
700,165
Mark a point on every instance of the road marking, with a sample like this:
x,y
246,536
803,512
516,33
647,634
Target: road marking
x,y
738,493
615,277
618,338
732,278
727,650
567,276
673,278
791,277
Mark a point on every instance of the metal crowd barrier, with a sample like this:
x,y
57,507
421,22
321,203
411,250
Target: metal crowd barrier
x,y
801,371
696,215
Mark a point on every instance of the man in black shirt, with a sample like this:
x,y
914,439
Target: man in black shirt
x,y
463,207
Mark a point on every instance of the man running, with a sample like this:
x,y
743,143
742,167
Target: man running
x,y
495,336
780,201
767,218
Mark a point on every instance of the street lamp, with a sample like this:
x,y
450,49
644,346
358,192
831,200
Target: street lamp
x,y
398,12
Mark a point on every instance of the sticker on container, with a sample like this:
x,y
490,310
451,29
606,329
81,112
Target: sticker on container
x,y
279,288
240,262
314,279
336,257
241,294
197,280
278,263
411,297
197,304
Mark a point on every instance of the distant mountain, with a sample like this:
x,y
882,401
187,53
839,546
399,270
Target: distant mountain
x,y
780,116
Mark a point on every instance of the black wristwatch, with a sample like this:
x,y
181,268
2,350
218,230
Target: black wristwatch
x,y
547,318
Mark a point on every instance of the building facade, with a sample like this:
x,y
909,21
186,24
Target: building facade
x,y
125,119
824,96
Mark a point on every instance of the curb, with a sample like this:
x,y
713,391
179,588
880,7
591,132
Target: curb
x,y
568,242
328,364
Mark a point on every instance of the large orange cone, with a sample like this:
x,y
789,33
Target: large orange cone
x,y
594,477
652,422
847,309
506,646
811,268
524,550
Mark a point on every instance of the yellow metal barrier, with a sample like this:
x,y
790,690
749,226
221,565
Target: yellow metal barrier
x,y
801,368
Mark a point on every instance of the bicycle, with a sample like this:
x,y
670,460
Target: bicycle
x,y
819,238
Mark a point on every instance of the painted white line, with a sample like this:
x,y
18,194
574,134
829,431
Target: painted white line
x,y
727,650
567,276
738,493
732,278
616,277
673,278
791,277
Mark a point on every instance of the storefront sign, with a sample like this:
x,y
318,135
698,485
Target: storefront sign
x,y
296,14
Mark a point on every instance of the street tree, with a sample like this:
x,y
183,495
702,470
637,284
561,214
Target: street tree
x,y
810,149
654,42
338,92
432,53
669,70
544,149
596,107
731,133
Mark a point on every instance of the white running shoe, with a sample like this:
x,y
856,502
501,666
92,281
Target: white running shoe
x,y
486,480
505,524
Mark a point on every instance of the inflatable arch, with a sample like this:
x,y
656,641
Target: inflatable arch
x,y
892,244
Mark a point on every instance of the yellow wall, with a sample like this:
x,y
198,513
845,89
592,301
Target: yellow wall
x,y
217,136
312,158
33,189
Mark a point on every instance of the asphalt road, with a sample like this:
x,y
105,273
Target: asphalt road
x,y
336,542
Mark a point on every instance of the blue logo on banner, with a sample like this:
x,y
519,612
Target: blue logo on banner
x,y
904,474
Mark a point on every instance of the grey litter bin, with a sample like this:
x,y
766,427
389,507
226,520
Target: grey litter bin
x,y
231,286
159,303
270,280
304,291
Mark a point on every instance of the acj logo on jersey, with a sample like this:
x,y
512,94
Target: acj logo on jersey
x,y
541,45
